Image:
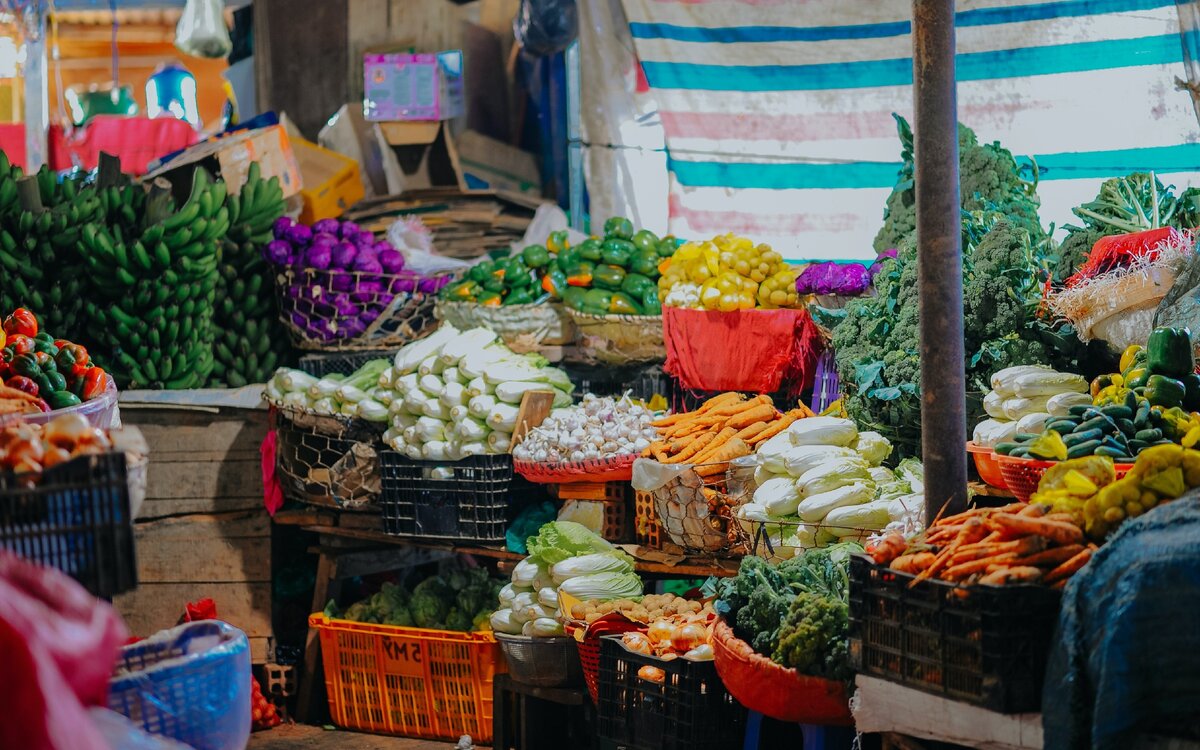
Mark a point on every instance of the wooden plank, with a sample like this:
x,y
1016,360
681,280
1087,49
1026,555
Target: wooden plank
x,y
535,407
290,36
190,433
230,547
181,479
151,607
154,507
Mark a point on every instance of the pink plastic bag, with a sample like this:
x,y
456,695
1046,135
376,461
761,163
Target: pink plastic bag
x,y
58,645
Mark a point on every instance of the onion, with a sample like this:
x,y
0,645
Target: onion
x,y
652,674
637,642
687,637
660,630
67,430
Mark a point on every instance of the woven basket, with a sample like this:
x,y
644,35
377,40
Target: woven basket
x,y
1022,475
619,339
615,469
761,685
548,324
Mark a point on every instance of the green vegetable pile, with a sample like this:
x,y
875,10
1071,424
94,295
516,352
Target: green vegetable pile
x,y
795,612
460,599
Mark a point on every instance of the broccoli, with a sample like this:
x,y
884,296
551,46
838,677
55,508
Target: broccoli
x,y
758,622
1073,251
428,608
812,637
457,619
399,616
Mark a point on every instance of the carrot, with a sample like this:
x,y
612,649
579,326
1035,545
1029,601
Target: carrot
x,y
1056,531
752,415
972,531
802,412
693,425
670,420
1059,586
884,550
1066,517
914,563
683,442
717,401
1070,567
728,410
717,462
1014,574
1025,546
1034,511
714,445
747,433
1051,557
692,449
774,428
967,569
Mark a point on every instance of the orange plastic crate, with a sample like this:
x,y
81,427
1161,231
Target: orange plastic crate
x,y
647,530
409,682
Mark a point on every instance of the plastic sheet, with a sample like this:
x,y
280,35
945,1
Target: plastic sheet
x,y
58,645
201,31
1127,651
546,27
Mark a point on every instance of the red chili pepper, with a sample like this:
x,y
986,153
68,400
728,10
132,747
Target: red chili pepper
x,y
21,321
93,383
22,383
20,343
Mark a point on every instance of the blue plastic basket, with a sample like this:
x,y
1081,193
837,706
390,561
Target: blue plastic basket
x,y
190,683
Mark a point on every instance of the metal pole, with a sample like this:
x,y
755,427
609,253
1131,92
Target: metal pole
x,y
37,87
939,258
575,183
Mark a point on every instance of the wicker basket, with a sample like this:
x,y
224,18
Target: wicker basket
x,y
619,339
547,324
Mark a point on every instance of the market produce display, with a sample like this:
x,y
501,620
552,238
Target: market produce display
x,y
1013,544
31,448
646,610
355,395
567,557
1088,491
1024,398
685,633
458,598
596,428
336,280
457,393
796,612
152,270
728,273
51,373
251,340
724,428
820,481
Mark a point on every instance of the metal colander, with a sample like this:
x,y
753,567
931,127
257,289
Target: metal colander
x,y
541,662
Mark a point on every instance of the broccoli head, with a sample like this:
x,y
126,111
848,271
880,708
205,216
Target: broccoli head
x,y
812,637
758,622
399,616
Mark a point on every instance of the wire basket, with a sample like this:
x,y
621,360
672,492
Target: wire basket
x,y
326,461
336,310
190,683
1022,475
342,363
695,513
547,324
76,518
541,662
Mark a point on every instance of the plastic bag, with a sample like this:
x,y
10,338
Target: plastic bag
x,y
527,524
58,645
412,238
122,734
546,27
201,31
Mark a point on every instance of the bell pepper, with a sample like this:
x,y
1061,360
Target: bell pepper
x,y
62,399
93,383
1100,382
3,338
598,299
55,380
22,383
645,262
1164,391
573,297
591,250
494,284
19,343
462,291
619,227
1137,377
555,282
21,321
1191,383
489,299
636,285
519,297
623,304
580,279
617,252
567,259
535,256
557,241
1169,352
666,247
26,364
608,277
71,358
650,303
44,342
481,271
45,361
645,240
1129,356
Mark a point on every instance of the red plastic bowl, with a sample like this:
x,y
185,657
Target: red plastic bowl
x,y
987,465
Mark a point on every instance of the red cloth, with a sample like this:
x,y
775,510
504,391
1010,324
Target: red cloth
x,y
136,140
272,491
757,351
58,648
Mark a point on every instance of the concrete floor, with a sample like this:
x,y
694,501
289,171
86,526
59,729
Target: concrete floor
x,y
303,737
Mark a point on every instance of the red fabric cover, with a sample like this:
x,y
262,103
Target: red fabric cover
x,y
58,648
136,140
272,490
757,351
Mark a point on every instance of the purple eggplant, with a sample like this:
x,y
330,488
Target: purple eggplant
x,y
390,260
404,283
427,285
281,227
299,235
344,254
278,253
367,264
367,291
328,226
318,256
344,305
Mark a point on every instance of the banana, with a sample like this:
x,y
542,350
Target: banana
x,y
181,218
142,257
161,254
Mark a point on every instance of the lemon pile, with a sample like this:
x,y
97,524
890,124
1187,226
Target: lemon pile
x,y
728,273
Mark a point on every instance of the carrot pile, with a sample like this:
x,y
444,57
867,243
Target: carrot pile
x,y
725,427
1017,543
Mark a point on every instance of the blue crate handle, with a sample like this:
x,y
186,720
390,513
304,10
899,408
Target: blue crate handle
x,y
190,683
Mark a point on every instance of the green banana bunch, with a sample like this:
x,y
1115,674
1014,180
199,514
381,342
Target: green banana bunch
x,y
251,341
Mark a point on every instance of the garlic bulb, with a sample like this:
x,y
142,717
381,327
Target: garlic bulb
x,y
596,428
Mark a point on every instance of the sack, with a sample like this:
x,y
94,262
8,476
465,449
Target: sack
x,y
546,27
201,31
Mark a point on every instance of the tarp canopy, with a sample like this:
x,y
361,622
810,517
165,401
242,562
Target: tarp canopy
x,y
777,113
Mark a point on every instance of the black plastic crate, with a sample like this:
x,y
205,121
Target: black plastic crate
x,y
77,519
986,645
689,710
471,500
640,381
326,461
345,363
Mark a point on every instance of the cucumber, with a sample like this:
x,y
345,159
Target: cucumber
x,y
1083,449
1005,449
1021,451
1115,444
1131,401
1126,426
1078,409
1137,446
1062,426
1025,437
1143,415
1113,453
1149,436
1117,411
1096,423
1075,438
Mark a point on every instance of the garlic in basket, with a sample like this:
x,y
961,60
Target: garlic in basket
x,y
592,429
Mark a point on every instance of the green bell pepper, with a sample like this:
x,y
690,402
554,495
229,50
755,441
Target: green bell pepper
x,y
568,259
1169,352
26,364
608,277
617,252
44,342
589,249
598,298
646,263
1137,377
1191,384
644,239
60,399
519,297
535,256
667,246
619,227
650,303
494,284
56,380
481,272
461,291
623,304
573,297
636,285
489,299
1164,391
555,282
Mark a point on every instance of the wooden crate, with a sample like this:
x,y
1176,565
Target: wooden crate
x,y
202,531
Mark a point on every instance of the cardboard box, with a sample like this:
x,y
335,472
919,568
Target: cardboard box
x,y
403,86
490,164
426,152
332,182
229,155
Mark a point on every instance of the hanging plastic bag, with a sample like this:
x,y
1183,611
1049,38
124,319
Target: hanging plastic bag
x,y
546,27
201,31
413,239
